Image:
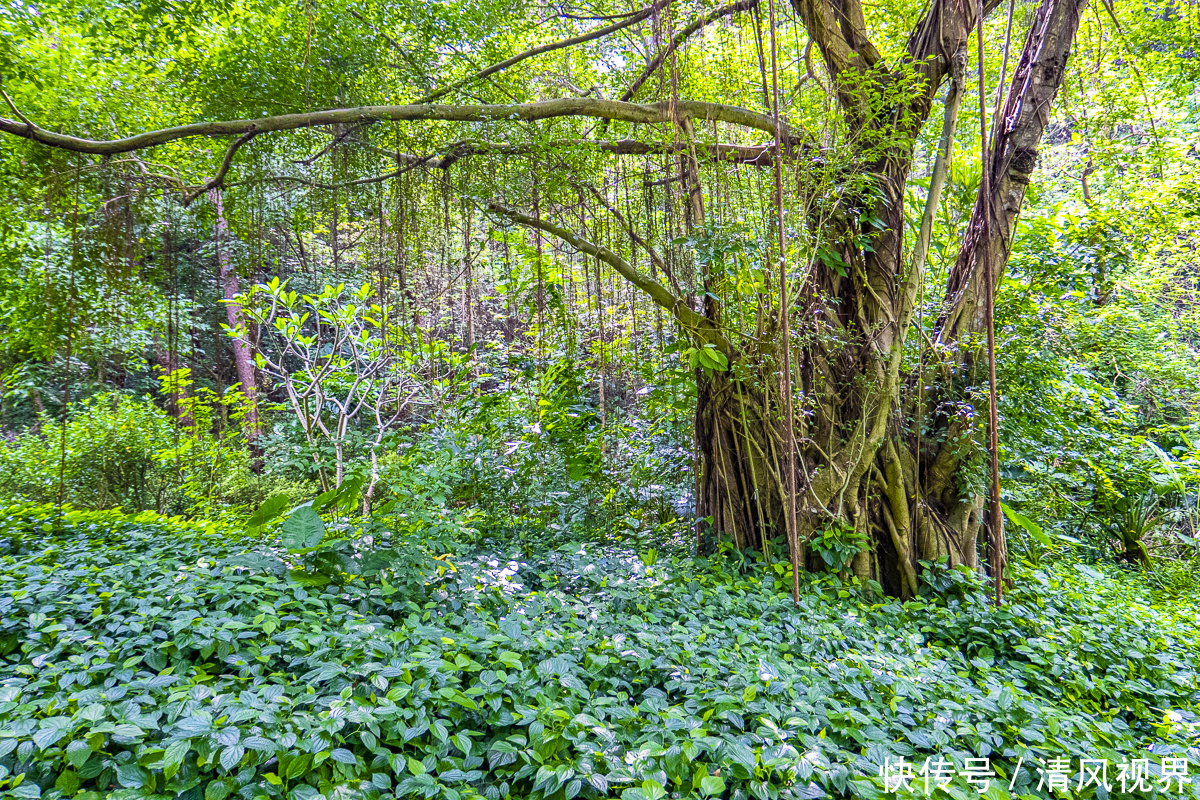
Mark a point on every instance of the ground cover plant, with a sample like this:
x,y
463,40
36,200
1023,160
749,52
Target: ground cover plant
x,y
599,398
150,657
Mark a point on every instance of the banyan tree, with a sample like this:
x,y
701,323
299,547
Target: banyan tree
x,y
825,398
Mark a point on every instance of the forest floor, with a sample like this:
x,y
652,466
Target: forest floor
x,y
147,657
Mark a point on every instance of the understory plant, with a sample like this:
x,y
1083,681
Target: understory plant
x,y
116,451
142,656
344,374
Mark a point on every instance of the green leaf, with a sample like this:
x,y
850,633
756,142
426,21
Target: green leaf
x,y
348,494
271,508
343,756
232,756
78,752
653,790
464,701
1031,527
67,783
712,358
303,529
218,790
712,785
323,500
298,765
307,578
130,776
48,736
174,756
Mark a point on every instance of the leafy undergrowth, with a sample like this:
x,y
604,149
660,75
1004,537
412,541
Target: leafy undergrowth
x,y
137,659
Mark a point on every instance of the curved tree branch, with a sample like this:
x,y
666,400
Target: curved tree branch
x,y
217,179
683,36
644,113
16,110
546,48
686,316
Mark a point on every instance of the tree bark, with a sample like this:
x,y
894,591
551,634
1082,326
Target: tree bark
x,y
865,470
242,357
741,484
984,255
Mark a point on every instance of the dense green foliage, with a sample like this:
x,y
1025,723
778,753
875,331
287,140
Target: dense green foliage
x,y
117,451
161,656
1100,378
333,463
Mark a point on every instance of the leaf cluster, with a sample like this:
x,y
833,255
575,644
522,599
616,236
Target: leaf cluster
x,y
139,657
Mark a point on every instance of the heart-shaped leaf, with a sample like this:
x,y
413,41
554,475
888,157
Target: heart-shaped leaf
x,y
303,529
271,508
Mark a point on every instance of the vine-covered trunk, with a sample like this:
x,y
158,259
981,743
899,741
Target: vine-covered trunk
x,y
890,463
738,436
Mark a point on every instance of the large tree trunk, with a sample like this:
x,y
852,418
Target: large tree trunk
x,y
865,466
741,483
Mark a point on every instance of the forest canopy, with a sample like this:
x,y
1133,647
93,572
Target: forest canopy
x,y
382,325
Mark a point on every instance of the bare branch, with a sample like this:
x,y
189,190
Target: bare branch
x,y
681,37
16,111
546,48
225,164
941,167
598,16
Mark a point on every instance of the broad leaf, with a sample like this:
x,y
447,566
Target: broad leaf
x,y
303,529
271,508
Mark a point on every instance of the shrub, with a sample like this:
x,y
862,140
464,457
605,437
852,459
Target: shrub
x,y
111,444
126,453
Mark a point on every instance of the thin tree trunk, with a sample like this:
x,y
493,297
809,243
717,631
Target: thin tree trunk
x,y
468,283
603,366
243,359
